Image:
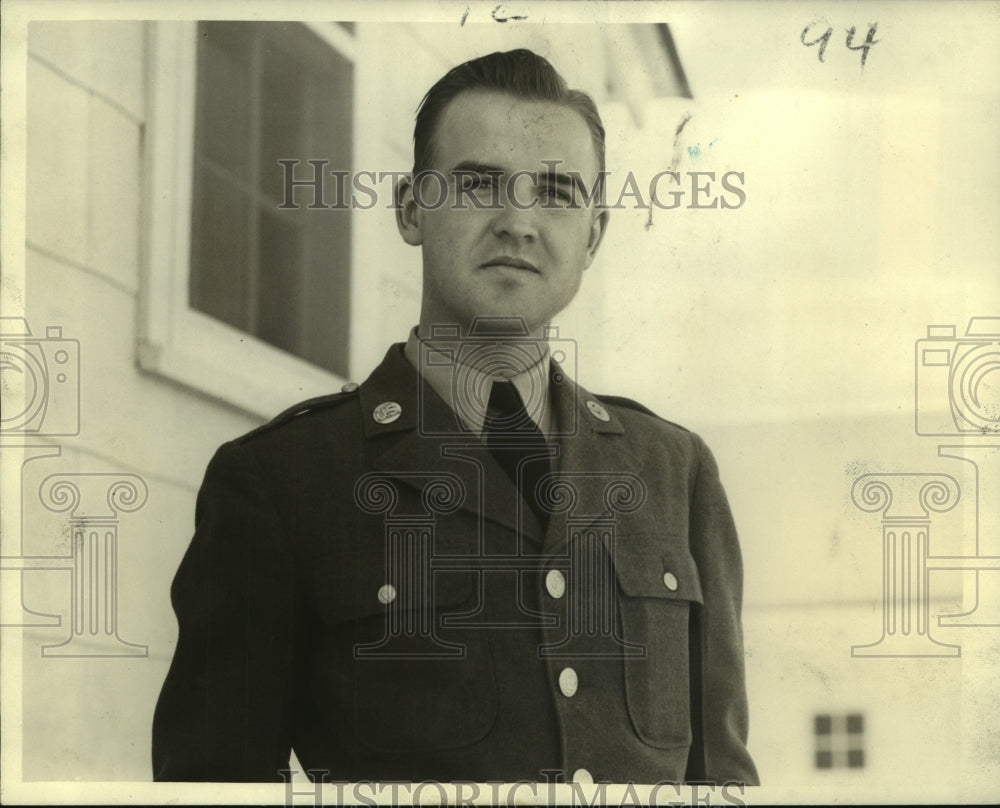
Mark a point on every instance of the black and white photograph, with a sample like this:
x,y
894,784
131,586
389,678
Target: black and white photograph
x,y
589,403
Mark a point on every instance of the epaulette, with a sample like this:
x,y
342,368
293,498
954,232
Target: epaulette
x,y
303,407
635,405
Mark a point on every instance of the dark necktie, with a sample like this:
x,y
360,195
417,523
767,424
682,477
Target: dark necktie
x,y
515,440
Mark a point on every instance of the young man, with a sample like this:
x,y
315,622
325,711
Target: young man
x,y
468,567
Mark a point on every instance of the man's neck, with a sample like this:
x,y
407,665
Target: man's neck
x,y
501,347
461,370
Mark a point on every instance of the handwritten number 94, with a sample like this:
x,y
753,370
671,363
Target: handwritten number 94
x,y
824,39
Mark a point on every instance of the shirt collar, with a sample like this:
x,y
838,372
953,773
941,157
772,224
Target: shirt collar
x,y
466,389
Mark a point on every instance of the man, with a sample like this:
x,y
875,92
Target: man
x,y
468,567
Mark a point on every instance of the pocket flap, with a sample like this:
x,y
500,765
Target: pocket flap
x,y
360,584
653,565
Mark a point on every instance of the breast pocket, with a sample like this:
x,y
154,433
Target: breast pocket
x,y
658,585
409,683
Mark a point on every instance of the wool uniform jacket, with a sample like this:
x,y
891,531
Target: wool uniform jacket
x,y
364,586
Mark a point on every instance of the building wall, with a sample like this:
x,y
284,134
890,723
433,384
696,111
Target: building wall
x,y
85,116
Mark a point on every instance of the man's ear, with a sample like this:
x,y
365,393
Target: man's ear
x,y
597,228
409,216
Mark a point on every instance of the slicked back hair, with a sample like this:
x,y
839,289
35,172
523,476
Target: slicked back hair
x,y
518,73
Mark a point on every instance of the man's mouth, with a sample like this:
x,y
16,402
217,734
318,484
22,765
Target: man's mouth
x,y
508,261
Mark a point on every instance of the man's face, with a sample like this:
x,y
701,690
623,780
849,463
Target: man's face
x,y
522,253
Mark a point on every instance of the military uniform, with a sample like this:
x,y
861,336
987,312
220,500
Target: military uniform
x,y
363,586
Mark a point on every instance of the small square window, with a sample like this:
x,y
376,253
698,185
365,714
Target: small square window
x,y
839,741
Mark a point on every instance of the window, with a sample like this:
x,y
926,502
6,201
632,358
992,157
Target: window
x,y
244,299
270,92
840,741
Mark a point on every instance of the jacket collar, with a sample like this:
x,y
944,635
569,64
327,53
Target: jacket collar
x,y
588,440
454,369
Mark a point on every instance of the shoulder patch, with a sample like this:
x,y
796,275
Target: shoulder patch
x,y
621,401
303,407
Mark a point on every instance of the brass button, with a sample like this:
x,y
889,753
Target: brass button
x,y
670,581
350,387
568,682
555,583
582,776
386,594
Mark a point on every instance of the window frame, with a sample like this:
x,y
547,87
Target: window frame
x,y
174,340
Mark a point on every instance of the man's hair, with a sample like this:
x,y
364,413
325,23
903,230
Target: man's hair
x,y
519,73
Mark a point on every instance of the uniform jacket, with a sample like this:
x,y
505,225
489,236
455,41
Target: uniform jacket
x,y
372,593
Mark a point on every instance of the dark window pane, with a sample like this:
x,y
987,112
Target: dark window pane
x,y
280,292
855,758
855,723
307,107
219,250
824,760
272,91
327,274
224,125
823,725
283,114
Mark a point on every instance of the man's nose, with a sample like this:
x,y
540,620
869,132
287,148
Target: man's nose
x,y
517,217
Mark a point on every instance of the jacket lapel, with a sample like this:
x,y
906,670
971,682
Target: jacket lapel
x,y
593,454
428,442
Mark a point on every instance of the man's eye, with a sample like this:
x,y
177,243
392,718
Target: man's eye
x,y
557,195
475,182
